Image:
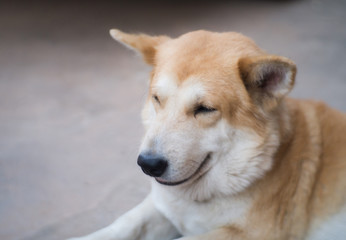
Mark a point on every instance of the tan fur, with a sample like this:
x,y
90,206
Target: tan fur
x,y
144,43
211,63
307,181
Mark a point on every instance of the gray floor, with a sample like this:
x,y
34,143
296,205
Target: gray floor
x,y
70,97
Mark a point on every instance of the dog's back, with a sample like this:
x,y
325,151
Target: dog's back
x,y
307,184
329,192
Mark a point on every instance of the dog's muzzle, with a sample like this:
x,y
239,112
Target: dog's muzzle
x,y
152,165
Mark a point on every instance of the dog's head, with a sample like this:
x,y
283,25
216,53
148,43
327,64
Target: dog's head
x,y
210,112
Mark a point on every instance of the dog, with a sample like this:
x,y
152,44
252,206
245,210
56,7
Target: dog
x,y
229,155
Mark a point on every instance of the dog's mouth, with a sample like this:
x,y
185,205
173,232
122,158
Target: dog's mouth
x,y
198,173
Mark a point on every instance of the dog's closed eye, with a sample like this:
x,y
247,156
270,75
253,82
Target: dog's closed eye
x,y
201,109
156,98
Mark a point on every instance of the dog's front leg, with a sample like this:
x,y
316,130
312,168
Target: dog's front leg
x,y
143,222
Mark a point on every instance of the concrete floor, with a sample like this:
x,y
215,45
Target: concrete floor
x,y
70,97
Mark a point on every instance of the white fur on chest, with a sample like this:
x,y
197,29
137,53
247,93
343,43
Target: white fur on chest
x,y
192,217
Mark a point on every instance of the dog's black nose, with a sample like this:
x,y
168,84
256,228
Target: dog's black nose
x,y
152,165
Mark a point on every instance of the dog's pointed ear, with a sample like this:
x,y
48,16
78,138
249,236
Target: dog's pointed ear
x,y
267,78
142,43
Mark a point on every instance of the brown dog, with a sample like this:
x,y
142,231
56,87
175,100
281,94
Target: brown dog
x,y
229,155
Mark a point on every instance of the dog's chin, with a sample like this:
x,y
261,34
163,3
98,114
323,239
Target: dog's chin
x,y
201,170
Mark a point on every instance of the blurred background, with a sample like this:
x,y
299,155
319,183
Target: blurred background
x,y
70,97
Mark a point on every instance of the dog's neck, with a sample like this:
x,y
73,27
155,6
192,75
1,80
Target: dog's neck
x,y
295,167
